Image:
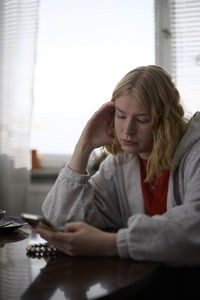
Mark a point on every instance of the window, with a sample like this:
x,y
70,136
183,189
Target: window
x,y
178,46
84,48
185,26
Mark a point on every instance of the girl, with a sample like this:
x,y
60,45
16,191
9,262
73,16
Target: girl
x,y
144,202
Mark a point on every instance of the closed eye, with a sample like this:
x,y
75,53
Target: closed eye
x,y
143,119
120,116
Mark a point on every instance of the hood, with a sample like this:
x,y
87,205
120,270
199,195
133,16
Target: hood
x,y
191,136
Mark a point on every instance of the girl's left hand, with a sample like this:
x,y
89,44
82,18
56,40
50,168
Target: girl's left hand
x,y
81,239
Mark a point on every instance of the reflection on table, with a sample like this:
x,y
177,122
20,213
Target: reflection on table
x,y
65,277
78,278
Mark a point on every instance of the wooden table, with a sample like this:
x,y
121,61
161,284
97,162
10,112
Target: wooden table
x,y
75,278
23,277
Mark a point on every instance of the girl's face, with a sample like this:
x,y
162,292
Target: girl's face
x,y
133,126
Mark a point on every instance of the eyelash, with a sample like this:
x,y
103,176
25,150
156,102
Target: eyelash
x,y
143,121
121,116
138,120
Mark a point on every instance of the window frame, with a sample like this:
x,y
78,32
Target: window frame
x,y
163,54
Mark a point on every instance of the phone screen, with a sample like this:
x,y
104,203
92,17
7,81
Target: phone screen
x,y
35,220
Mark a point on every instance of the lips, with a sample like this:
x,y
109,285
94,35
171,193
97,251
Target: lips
x,y
129,143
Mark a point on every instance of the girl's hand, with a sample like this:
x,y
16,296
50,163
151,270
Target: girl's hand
x,y
95,134
81,239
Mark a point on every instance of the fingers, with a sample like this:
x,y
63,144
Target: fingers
x,y
107,110
56,239
48,234
73,226
80,238
63,241
45,226
108,105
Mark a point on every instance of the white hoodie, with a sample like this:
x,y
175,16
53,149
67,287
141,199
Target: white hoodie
x,y
112,200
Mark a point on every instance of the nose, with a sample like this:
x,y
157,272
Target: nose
x,y
130,127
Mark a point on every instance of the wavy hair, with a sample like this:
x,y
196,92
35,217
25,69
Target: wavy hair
x,y
160,97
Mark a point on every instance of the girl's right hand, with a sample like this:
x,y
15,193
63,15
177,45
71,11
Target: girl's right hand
x,y
94,135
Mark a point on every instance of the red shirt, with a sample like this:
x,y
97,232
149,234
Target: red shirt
x,y
155,192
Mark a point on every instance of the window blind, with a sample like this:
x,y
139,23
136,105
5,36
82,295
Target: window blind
x,y
185,50
18,29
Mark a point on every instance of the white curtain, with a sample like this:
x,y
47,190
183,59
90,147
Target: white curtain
x,y
18,32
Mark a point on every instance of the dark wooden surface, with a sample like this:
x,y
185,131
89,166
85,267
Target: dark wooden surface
x,y
23,277
75,278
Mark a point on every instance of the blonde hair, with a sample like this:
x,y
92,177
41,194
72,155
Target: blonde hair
x,y
160,97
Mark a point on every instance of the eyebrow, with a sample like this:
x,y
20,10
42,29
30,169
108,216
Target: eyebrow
x,y
119,110
140,114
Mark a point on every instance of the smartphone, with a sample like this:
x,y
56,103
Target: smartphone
x,y
35,220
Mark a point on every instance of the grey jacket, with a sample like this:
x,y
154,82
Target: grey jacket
x,y
112,199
